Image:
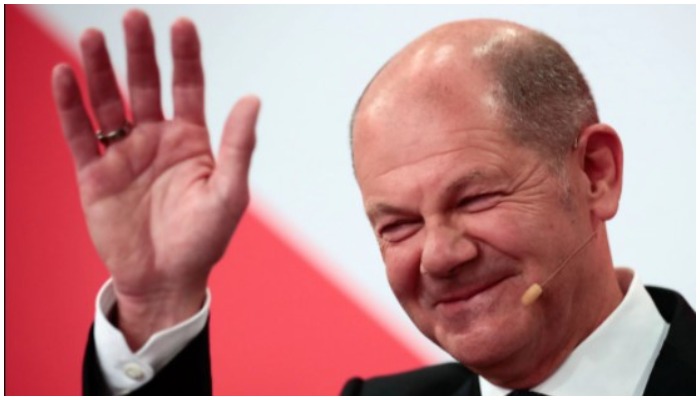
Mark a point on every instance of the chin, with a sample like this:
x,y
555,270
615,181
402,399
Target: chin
x,y
486,344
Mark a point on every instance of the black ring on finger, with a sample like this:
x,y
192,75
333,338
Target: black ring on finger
x,y
113,136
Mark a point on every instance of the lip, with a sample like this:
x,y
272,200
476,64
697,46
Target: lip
x,y
469,293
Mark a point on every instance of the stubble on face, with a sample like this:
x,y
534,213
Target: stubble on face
x,y
429,117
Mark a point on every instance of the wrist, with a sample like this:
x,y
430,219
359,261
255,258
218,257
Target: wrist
x,y
138,317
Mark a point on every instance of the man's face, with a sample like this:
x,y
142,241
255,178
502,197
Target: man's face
x,y
466,220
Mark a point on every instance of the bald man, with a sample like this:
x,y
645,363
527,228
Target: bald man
x,y
487,179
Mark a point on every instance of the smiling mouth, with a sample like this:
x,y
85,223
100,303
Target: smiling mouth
x,y
451,302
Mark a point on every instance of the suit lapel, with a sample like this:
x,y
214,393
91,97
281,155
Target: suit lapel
x,y
674,369
470,387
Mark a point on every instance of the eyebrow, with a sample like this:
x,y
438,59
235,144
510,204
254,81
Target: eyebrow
x,y
462,182
455,186
383,208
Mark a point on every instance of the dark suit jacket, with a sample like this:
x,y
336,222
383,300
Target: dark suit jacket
x,y
190,371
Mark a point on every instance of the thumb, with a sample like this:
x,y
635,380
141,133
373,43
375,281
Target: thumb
x,y
237,143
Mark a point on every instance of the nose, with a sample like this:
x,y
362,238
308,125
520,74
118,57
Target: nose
x,y
445,250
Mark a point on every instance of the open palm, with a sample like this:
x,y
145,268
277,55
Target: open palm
x,y
159,208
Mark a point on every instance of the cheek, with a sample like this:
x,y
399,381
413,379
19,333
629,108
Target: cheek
x,y
402,269
503,229
537,240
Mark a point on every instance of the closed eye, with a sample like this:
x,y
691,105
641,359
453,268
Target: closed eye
x,y
398,231
480,202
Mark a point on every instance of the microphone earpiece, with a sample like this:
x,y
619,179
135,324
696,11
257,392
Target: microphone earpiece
x,y
535,290
531,294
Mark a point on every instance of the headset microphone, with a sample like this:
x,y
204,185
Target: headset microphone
x,y
535,290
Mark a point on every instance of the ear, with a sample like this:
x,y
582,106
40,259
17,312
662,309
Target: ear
x,y
599,153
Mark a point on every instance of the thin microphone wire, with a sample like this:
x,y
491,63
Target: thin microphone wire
x,y
567,259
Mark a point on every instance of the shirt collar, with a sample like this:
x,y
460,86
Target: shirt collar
x,y
616,359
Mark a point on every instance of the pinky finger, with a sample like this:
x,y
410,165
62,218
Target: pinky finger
x,y
75,122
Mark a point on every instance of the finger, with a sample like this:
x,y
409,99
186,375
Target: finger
x,y
104,92
143,76
188,77
75,122
237,144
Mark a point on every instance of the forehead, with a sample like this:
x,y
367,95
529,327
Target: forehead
x,y
410,116
472,160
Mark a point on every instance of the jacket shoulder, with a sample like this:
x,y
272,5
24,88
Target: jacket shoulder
x,y
443,379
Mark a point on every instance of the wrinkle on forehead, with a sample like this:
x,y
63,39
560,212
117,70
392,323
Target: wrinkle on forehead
x,y
377,207
402,156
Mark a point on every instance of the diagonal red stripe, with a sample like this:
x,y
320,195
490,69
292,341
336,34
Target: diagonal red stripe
x,y
278,326
281,328
51,270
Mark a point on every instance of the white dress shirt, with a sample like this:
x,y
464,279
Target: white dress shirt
x,y
616,359
126,371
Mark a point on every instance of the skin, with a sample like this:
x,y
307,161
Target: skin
x,y
159,208
467,219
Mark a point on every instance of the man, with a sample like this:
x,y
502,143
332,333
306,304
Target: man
x,y
487,179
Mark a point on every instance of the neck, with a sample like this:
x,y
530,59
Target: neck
x,y
581,308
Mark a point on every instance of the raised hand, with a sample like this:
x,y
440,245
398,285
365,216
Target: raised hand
x,y
160,209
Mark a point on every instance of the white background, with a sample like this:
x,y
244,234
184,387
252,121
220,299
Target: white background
x,y
310,63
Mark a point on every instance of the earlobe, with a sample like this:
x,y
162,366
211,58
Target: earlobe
x,y
600,155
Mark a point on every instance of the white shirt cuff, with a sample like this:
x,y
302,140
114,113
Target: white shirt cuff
x,y
125,371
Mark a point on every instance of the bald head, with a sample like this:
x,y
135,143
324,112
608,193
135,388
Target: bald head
x,y
528,79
